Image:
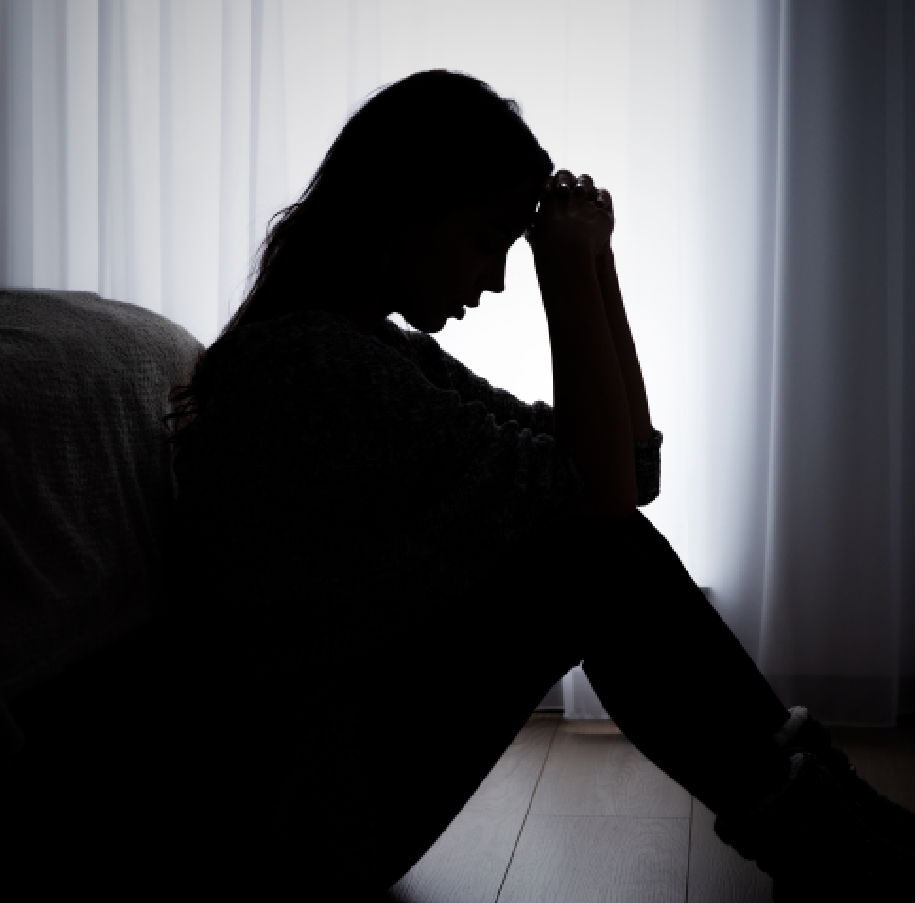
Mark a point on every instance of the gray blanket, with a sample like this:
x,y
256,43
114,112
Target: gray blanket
x,y
86,485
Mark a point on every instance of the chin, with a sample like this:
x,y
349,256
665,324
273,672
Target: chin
x,y
437,327
431,318
432,323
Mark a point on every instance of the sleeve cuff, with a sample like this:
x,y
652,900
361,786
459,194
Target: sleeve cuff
x,y
653,443
648,468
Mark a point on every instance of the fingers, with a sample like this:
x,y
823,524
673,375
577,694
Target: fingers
x,y
557,185
584,193
566,198
564,182
605,202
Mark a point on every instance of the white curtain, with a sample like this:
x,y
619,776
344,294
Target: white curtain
x,y
760,155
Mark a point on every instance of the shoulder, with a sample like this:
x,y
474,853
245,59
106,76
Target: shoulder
x,y
306,327
439,367
410,343
308,342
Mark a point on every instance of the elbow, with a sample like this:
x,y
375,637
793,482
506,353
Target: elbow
x,y
647,497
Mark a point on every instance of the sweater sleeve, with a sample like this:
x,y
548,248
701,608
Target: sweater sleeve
x,y
461,465
648,468
446,371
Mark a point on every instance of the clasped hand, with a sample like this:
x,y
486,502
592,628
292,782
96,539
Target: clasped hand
x,y
572,216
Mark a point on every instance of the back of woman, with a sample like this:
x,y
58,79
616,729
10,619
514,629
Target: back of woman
x,y
348,494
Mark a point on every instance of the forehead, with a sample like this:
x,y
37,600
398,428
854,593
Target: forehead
x,y
510,212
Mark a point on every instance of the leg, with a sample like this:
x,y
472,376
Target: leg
x,y
663,662
683,690
391,782
231,777
677,681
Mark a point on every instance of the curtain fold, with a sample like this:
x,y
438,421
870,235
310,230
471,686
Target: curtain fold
x,y
837,406
761,155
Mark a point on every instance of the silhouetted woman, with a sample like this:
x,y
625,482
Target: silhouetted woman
x,y
377,538
376,541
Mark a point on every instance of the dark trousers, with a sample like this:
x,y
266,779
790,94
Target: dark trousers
x,y
163,766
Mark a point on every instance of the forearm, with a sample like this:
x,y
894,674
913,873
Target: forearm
x,y
630,369
590,400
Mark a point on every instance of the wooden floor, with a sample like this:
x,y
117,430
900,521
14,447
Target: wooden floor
x,y
573,813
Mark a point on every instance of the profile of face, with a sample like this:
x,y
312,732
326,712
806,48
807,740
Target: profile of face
x,y
438,272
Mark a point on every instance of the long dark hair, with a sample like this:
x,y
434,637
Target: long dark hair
x,y
412,152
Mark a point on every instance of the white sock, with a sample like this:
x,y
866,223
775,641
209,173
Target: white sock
x,y
787,731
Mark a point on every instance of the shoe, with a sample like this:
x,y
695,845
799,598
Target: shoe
x,y
808,838
893,823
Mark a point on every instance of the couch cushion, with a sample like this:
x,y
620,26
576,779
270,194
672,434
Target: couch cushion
x,y
86,486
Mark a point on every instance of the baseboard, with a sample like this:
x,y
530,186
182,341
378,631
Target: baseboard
x,y
867,700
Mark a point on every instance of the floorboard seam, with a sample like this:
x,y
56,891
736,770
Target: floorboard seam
x,y
528,812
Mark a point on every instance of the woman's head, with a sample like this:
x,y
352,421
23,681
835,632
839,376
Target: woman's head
x,y
414,206
413,209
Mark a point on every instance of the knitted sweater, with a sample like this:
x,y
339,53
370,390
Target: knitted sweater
x,y
361,479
